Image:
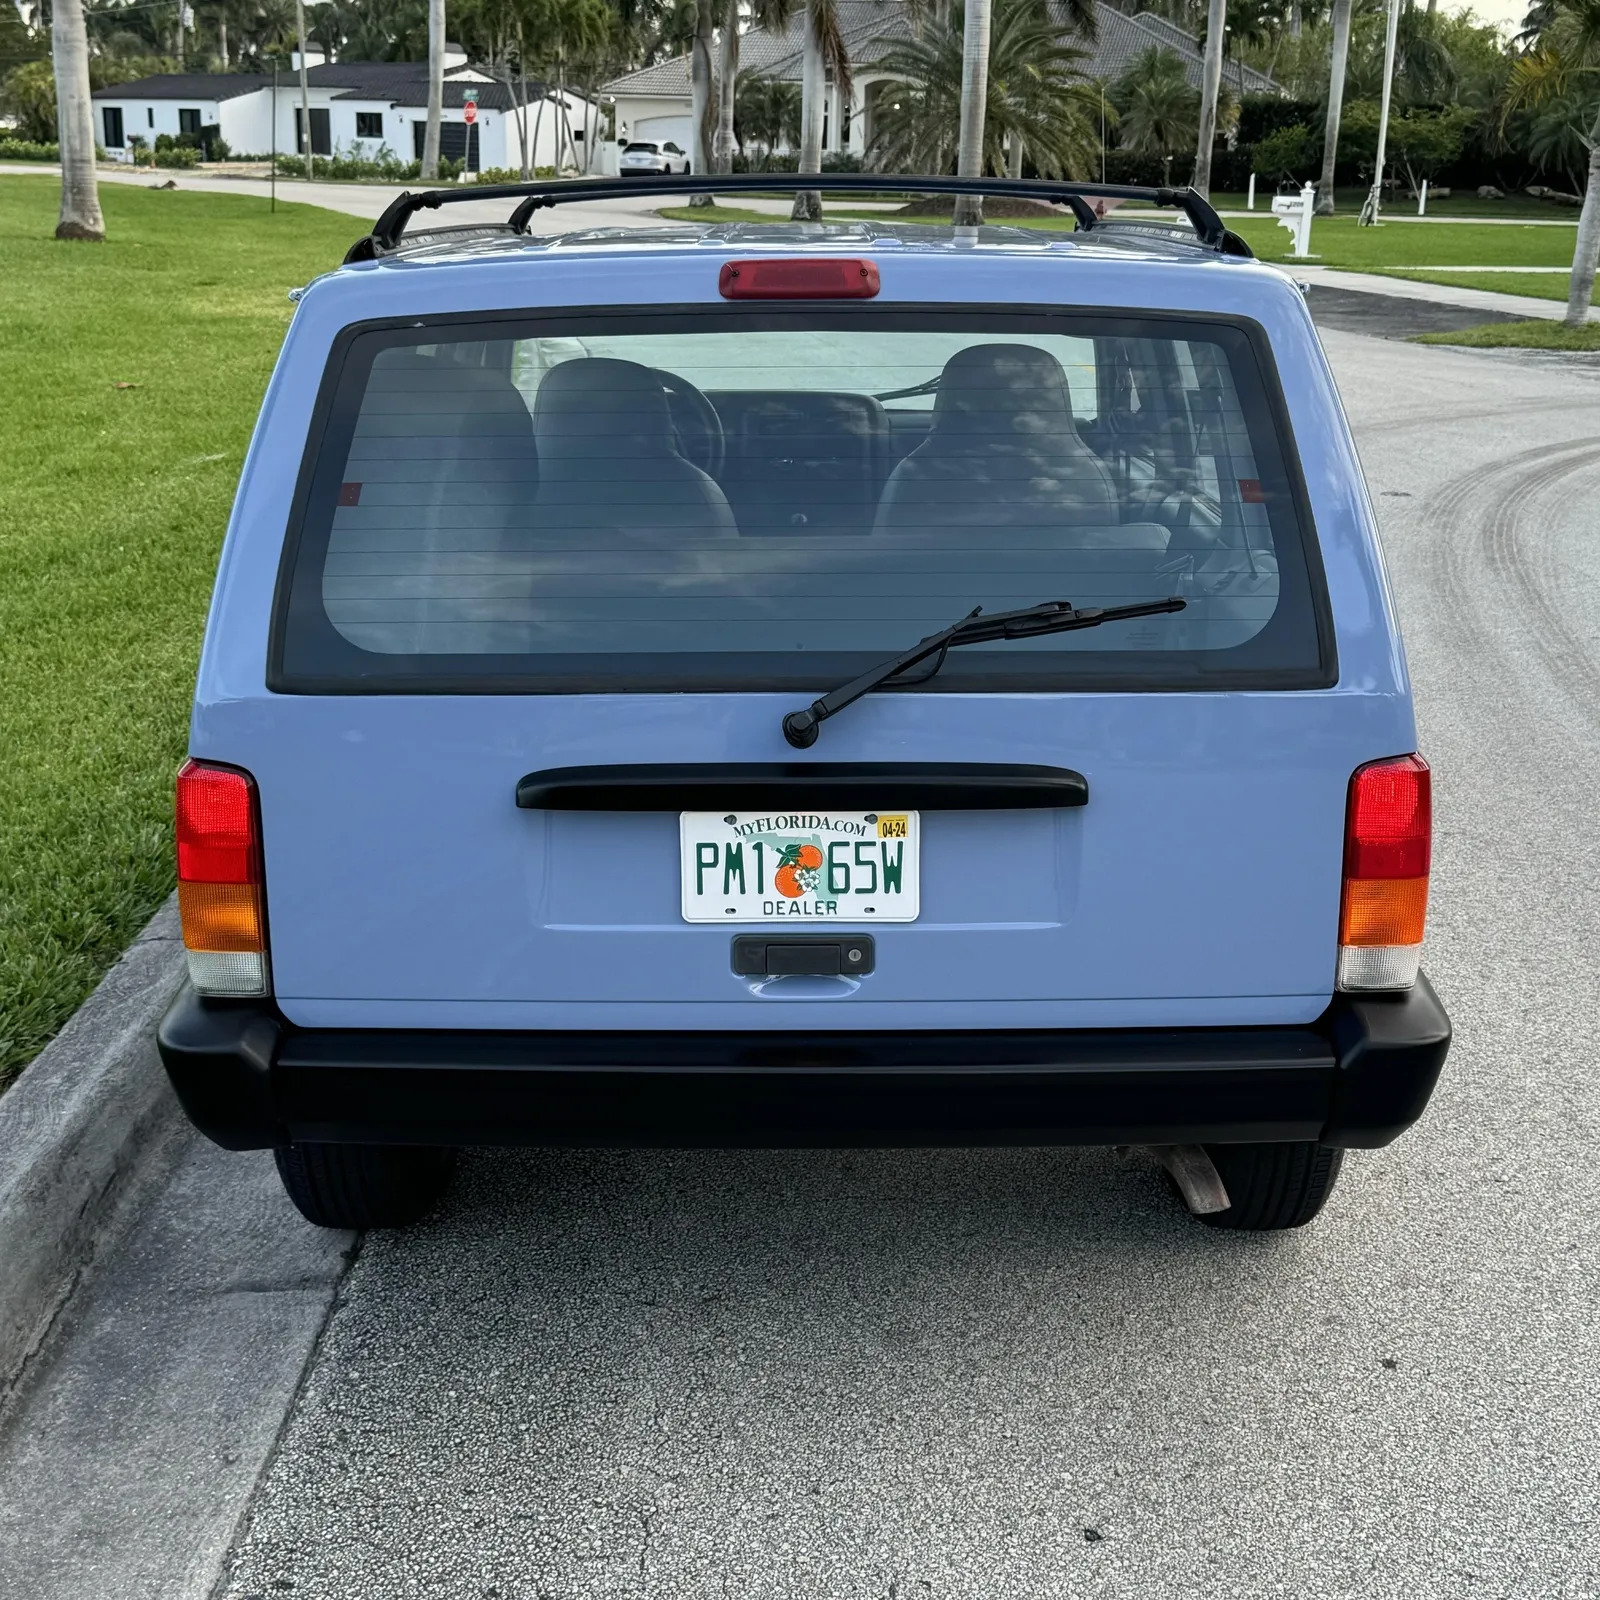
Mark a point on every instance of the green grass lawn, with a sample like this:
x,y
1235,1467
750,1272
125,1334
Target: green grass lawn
x,y
113,502
1542,334
1539,285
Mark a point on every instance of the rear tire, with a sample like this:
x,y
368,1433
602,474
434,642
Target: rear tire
x,y
364,1185
1273,1185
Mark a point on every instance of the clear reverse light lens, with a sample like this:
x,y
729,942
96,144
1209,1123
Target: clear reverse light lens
x,y
1379,966
228,972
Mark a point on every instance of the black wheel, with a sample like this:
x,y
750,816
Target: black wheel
x,y
1273,1185
364,1185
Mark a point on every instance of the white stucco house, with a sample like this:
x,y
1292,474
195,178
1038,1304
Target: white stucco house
x,y
356,108
654,102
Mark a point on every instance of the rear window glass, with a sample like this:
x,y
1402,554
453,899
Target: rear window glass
x,y
644,149
746,499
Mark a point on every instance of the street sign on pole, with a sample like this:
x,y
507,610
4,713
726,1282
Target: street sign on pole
x,y
470,112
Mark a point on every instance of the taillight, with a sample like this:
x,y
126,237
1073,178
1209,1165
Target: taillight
x,y
219,880
1388,843
805,279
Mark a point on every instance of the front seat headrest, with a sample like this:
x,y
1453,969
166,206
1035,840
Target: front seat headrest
x,y
593,400
1003,391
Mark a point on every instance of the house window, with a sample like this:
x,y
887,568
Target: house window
x,y
369,124
149,116
189,119
113,119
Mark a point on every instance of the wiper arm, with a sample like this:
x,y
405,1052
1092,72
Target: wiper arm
x,y
801,728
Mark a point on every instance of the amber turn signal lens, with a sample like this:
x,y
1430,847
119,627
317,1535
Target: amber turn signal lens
x,y
221,916
1383,911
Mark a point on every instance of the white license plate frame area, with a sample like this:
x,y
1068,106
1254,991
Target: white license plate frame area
x,y
800,868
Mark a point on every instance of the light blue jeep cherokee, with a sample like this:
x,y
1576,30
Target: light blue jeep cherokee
x,y
803,685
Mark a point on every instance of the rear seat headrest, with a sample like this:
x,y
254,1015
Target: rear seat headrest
x,y
1003,390
596,399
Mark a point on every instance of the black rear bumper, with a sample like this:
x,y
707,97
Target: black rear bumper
x,y
1359,1075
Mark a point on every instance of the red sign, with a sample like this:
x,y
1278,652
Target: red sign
x,y
471,111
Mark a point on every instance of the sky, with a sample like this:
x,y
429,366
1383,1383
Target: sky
x,y
1507,13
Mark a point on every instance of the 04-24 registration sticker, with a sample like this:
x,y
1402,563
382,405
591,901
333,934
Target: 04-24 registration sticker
x,y
800,867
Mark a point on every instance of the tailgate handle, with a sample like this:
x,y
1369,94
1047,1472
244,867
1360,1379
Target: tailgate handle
x,y
837,786
805,955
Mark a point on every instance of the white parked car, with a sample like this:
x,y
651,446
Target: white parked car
x,y
653,155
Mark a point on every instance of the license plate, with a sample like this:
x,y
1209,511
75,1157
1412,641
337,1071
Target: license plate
x,y
800,867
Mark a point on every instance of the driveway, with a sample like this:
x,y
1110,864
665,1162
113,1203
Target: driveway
x,y
962,1374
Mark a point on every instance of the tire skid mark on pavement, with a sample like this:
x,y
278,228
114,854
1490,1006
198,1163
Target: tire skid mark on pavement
x,y
1492,504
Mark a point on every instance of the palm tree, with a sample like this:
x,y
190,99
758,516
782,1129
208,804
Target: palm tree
x,y
767,112
430,138
1037,96
824,48
1330,135
80,194
1210,89
773,15
1158,109
976,17
1566,57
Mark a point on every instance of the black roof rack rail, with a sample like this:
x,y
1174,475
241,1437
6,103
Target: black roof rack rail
x,y
388,231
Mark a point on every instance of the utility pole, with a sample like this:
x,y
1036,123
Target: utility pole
x,y
1374,201
305,90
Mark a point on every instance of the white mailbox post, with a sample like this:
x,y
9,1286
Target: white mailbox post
x,y
1293,212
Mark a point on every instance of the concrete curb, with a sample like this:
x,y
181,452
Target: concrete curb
x,y
85,1130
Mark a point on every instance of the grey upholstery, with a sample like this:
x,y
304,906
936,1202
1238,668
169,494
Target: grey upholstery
x,y
462,439
1002,453
608,458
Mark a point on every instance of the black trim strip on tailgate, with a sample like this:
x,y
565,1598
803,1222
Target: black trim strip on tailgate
x,y
748,786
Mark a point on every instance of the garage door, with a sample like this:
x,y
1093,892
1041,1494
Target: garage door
x,y
662,129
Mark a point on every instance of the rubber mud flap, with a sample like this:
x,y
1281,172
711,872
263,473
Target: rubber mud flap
x,y
1390,1051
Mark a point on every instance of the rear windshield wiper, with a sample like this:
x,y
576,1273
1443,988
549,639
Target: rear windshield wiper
x,y
801,728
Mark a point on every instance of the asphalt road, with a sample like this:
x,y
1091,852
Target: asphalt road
x,y
1028,1373
958,1374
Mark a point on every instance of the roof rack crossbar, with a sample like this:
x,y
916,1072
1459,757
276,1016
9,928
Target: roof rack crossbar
x,y
389,229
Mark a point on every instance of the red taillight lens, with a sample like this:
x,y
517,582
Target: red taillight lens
x,y
1388,847
219,880
798,280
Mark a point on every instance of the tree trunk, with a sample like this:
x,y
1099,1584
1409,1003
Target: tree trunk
x,y
813,86
80,192
305,92
703,98
1295,21
974,104
430,138
180,35
1014,162
1210,90
727,82
1330,132
538,118
222,38
522,109
1580,289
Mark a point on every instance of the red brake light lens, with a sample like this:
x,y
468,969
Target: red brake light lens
x,y
803,279
216,826
1389,826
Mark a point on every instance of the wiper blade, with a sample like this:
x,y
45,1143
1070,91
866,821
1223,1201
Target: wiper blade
x,y
801,728
927,386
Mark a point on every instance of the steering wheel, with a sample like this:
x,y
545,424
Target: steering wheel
x,y
695,423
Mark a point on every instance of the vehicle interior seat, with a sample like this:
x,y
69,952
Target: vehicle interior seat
x,y
1003,453
608,456
473,455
